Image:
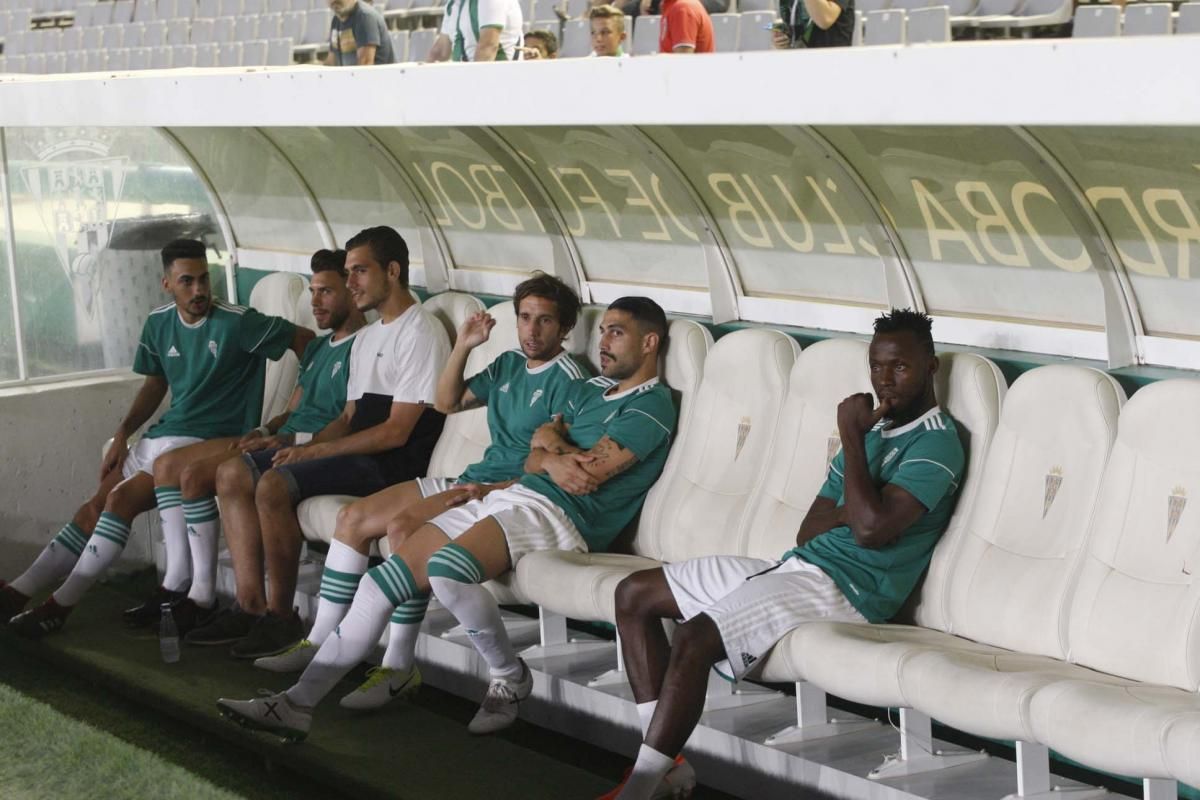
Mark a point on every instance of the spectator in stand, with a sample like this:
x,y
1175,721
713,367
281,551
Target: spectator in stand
x,y
608,31
540,44
479,30
814,23
686,28
358,35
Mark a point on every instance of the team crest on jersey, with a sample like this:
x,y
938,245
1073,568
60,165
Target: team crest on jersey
x,y
742,433
504,389
1176,502
172,353
212,348
1054,479
536,394
337,367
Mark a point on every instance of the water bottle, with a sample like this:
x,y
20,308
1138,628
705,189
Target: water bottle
x,y
168,636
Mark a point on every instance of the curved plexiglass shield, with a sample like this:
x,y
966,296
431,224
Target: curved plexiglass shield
x,y
986,237
92,208
1148,199
793,224
9,367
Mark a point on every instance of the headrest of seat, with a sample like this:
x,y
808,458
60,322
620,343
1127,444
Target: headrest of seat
x,y
452,309
281,294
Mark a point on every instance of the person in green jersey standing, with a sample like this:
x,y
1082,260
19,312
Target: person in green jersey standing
x,y
209,354
479,30
522,390
861,549
186,479
585,479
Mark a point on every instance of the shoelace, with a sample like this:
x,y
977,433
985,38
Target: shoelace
x,y
499,694
375,676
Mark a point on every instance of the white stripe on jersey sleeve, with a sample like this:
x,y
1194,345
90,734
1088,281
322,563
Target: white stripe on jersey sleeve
x,y
648,416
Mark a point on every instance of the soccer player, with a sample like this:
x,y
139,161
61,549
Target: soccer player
x,y
586,478
384,436
209,354
865,541
185,479
522,389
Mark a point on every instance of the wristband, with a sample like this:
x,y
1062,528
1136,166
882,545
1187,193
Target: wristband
x,y
262,430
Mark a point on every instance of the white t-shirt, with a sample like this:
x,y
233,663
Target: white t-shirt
x,y
401,360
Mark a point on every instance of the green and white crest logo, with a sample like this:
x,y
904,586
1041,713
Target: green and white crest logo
x,y
1054,479
1176,503
743,432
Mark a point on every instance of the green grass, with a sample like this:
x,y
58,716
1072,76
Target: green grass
x,y
46,754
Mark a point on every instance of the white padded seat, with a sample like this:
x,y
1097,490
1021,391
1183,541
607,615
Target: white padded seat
x,y
697,506
282,294
1019,557
1135,613
972,390
452,309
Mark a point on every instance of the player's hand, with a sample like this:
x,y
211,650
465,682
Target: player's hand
x,y
294,455
780,40
475,330
550,436
856,415
246,443
530,53
568,473
260,443
114,457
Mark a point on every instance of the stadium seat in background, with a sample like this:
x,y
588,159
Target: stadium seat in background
x,y
74,62
884,27
577,9
929,25
755,31
246,28
183,55
1096,20
208,9
55,63
1029,14
645,34
254,8
203,31
225,30
1189,18
270,26
316,26
15,64
154,34
544,9
909,5
93,60
857,36
555,26
162,57
745,6
279,6
229,8
576,39
179,32
175,9
419,43
1147,19
99,13
279,52
254,54
867,6
145,11
72,39
135,58
3,65
91,38
122,12
112,36
206,55
399,46
229,54
35,63
725,32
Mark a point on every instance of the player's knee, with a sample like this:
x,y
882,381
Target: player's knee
x,y
349,524
233,477
402,527
167,469
122,501
697,641
272,491
634,594
88,514
194,482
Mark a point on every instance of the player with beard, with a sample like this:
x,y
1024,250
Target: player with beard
x,y
860,551
522,389
585,479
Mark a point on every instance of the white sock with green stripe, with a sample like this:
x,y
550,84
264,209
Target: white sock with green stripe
x,y
391,585
344,568
203,529
454,576
106,543
54,563
403,631
175,537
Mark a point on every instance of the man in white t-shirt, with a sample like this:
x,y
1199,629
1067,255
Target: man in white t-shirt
x,y
479,30
385,435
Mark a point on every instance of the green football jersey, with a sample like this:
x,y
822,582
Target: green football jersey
x,y
519,400
324,371
213,367
925,459
641,419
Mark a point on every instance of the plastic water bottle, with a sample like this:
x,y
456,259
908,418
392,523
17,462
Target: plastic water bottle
x,y
168,636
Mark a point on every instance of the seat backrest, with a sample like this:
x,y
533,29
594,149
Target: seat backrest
x,y
279,52
962,8
1018,555
1189,18
144,11
697,507
867,6
645,34
225,29
825,373
1147,19
162,57
183,55
113,36
202,31
254,54
229,54
122,12
576,39
452,309
419,43
929,25
755,31
316,26
400,45
909,5
281,294
208,9
1096,20
1136,606
992,8
154,34
884,27
971,389
178,32
725,32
